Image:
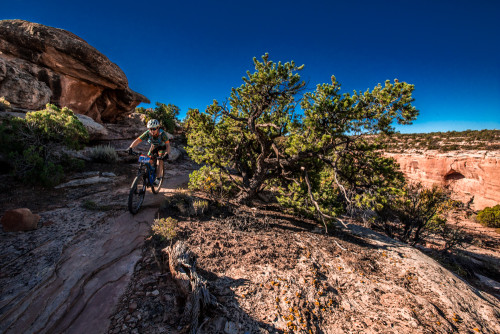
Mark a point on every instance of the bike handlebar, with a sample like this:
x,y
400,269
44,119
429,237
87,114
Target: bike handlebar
x,y
132,152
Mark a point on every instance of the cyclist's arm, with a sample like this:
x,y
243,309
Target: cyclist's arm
x,y
135,143
166,141
167,144
139,139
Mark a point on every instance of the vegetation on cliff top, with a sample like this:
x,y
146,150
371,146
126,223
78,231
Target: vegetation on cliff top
x,y
488,140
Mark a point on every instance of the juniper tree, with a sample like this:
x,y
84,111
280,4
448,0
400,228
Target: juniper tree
x,y
320,161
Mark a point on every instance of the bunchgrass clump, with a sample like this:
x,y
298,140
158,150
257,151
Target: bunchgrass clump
x,y
103,153
200,206
164,228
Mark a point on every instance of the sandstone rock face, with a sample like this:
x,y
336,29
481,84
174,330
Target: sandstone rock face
x,y
40,64
21,88
94,129
19,220
466,173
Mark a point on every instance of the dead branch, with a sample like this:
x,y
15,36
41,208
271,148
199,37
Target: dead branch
x,y
182,264
341,187
311,196
267,125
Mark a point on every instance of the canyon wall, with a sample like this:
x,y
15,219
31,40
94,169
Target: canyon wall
x,y
468,174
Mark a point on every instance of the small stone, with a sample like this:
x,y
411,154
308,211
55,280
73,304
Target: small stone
x,y
155,293
19,220
48,223
231,328
132,307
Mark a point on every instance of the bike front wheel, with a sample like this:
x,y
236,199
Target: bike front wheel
x,y
137,193
156,189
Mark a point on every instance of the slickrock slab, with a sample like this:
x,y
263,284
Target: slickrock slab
x,y
67,277
87,281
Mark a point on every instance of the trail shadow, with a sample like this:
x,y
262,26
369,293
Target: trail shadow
x,y
229,316
166,312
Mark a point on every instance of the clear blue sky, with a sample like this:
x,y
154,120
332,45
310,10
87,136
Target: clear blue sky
x,y
191,52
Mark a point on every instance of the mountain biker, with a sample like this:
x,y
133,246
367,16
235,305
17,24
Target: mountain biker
x,y
159,144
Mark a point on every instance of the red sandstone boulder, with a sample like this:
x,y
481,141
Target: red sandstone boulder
x,y
40,64
19,220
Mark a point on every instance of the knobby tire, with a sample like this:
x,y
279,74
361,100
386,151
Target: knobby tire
x,y
156,189
137,193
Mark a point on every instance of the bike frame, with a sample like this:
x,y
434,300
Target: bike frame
x,y
147,168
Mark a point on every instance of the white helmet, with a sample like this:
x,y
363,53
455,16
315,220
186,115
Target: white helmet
x,y
153,123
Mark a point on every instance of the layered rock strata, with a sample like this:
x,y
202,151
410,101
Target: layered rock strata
x,y
40,64
473,174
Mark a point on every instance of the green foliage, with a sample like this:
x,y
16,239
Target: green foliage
x,y
420,209
4,104
71,164
489,217
31,144
166,114
211,181
31,167
55,125
320,162
164,228
103,153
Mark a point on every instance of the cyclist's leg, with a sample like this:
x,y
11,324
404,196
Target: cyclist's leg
x,y
159,170
160,151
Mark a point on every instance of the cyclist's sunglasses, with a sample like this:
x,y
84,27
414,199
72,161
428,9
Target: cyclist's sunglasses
x,y
154,129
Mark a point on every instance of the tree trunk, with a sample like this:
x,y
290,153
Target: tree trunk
x,y
253,189
182,264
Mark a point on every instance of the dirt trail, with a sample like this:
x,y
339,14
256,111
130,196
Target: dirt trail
x,y
68,275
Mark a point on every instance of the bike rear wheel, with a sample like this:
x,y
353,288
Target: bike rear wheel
x,y
156,189
137,193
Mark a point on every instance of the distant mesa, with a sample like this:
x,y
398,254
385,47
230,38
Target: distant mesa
x,y
467,173
41,64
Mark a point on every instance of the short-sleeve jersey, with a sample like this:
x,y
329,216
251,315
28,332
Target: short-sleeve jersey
x,y
155,141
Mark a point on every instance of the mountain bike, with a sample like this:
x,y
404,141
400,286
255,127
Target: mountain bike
x,y
146,176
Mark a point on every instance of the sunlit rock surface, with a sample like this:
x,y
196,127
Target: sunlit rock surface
x,y
41,64
468,174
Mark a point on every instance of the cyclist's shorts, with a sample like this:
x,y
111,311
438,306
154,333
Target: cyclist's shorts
x,y
158,150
